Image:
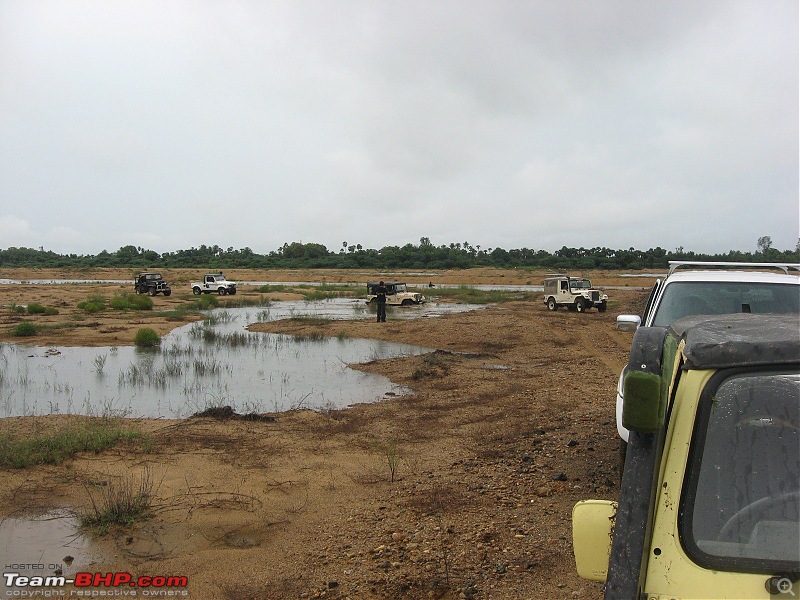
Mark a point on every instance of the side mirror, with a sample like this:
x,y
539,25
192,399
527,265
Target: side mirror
x,y
592,530
628,322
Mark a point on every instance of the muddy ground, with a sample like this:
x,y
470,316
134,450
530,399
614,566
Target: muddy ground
x,y
462,489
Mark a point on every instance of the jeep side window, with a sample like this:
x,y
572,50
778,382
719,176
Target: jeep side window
x,y
741,504
564,286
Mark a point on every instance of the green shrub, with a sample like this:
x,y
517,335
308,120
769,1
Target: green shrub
x,y
146,338
206,301
94,304
131,302
38,309
17,309
141,302
24,329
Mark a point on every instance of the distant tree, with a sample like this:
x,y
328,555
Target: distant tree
x,y
764,244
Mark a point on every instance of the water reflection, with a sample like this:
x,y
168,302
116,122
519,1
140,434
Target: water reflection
x,y
42,546
216,362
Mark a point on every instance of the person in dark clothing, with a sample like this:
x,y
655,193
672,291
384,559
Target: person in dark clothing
x,y
380,298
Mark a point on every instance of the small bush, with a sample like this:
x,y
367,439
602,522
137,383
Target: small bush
x,y
38,309
205,301
146,338
24,329
17,309
131,302
94,304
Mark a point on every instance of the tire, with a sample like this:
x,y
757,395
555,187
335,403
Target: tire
x,y
138,291
552,304
232,291
168,292
623,450
196,291
407,302
222,291
151,291
601,307
580,305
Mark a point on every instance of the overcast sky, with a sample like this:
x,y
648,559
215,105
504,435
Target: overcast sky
x,y
542,123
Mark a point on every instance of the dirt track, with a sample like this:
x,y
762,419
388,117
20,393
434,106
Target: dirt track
x,y
511,421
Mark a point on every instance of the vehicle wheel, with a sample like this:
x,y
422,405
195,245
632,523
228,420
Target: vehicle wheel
x,y
168,292
196,291
551,304
601,307
221,291
151,291
138,291
580,306
232,291
407,302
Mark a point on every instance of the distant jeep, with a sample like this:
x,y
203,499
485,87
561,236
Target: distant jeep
x,y
576,293
214,282
151,284
396,293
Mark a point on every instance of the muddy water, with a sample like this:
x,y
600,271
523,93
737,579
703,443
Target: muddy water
x,y
42,546
209,364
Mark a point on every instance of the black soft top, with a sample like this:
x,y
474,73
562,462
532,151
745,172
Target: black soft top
x,y
714,342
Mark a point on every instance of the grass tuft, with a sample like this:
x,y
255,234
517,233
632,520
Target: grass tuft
x,y
121,503
53,448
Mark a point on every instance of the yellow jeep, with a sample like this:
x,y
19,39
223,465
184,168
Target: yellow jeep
x,y
709,503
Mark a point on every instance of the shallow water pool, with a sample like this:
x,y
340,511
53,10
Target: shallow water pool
x,y
212,363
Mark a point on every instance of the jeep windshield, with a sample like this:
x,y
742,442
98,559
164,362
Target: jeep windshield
x,y
580,284
689,298
740,509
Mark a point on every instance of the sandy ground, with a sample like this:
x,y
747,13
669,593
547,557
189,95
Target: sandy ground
x,y
462,489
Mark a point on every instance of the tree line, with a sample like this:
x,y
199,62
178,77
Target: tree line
x,y
425,255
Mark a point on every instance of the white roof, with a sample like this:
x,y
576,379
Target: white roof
x,y
733,276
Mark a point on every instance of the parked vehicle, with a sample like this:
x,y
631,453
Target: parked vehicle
x,y
396,293
694,288
151,284
709,504
576,293
214,282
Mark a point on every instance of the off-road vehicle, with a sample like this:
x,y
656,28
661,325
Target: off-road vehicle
x,y
709,504
214,282
151,284
396,293
576,293
695,288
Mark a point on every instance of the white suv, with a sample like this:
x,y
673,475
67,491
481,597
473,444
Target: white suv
x,y
713,288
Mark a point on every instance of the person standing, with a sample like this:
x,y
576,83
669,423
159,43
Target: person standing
x,y
380,298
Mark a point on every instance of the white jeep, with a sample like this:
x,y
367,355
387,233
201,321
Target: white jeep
x,y
397,293
713,288
214,282
576,293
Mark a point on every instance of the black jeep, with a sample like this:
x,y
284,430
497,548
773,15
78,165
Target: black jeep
x,y
151,284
